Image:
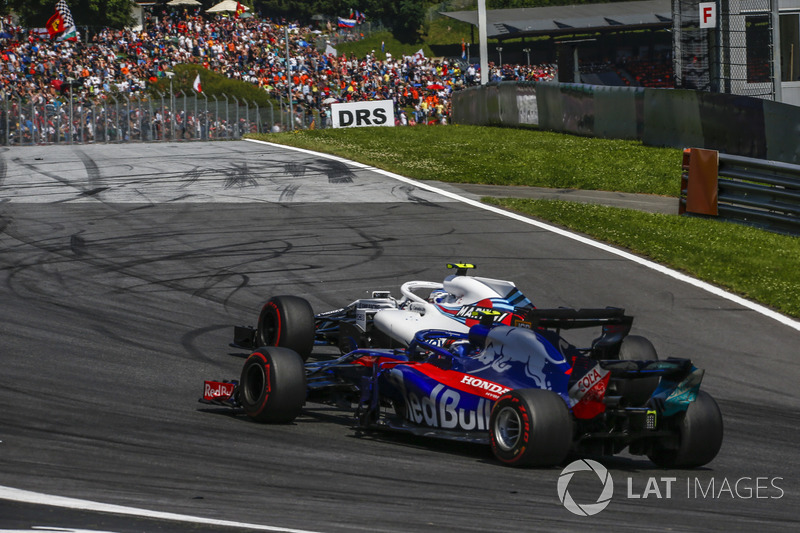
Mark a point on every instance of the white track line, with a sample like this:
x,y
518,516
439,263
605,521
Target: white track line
x,y
36,498
785,320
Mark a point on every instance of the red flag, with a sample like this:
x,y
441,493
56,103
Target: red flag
x,y
239,9
55,25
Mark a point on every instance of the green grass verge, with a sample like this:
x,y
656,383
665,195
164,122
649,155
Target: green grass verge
x,y
373,42
214,85
755,264
503,156
448,31
758,265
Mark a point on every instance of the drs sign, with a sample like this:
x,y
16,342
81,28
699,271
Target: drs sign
x,y
358,114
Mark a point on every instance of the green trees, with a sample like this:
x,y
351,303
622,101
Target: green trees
x,y
94,13
404,17
408,18
516,4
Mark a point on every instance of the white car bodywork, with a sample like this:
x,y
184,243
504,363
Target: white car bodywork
x,y
453,305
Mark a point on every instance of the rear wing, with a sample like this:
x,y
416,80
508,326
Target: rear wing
x,y
614,322
568,318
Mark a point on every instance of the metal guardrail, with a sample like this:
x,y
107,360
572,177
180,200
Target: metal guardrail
x,y
756,192
144,118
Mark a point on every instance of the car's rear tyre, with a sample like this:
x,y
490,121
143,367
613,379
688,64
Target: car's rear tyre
x,y
637,391
272,387
287,322
699,433
530,427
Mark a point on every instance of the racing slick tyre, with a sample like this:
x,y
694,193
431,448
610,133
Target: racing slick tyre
x,y
637,391
530,427
273,385
699,432
288,322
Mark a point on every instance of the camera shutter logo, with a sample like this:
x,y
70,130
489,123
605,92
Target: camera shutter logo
x,y
588,509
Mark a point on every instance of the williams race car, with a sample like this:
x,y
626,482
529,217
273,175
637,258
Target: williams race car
x,y
383,321
523,389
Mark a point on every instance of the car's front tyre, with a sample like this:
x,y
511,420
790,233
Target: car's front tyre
x,y
288,322
272,387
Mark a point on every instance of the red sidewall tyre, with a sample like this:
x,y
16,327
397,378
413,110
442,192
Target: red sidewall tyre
x,y
530,427
272,387
287,322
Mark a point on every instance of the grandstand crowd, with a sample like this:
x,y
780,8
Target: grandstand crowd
x,y
252,49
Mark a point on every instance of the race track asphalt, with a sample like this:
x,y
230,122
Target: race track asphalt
x,y
124,267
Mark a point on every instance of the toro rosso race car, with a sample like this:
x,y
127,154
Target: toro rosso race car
x,y
522,388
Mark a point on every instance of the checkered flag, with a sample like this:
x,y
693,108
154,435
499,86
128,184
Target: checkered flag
x,y
70,32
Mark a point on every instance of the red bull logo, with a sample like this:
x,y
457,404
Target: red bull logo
x,y
217,390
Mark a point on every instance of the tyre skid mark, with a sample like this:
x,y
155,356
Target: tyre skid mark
x,y
54,253
92,171
287,194
409,194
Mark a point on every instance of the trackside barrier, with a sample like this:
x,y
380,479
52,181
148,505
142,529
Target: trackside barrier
x,y
118,118
756,192
731,124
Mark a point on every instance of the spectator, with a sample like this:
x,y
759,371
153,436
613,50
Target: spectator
x,y
125,62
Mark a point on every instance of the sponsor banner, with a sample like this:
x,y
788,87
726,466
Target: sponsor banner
x,y
442,406
217,390
471,314
528,109
463,382
589,392
361,114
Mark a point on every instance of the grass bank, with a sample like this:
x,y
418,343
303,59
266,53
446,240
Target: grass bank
x,y
503,156
755,264
758,265
214,85
372,43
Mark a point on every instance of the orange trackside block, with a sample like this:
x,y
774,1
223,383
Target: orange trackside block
x,y
701,189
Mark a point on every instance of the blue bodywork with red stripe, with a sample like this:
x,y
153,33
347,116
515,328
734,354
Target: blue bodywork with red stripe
x,y
455,388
